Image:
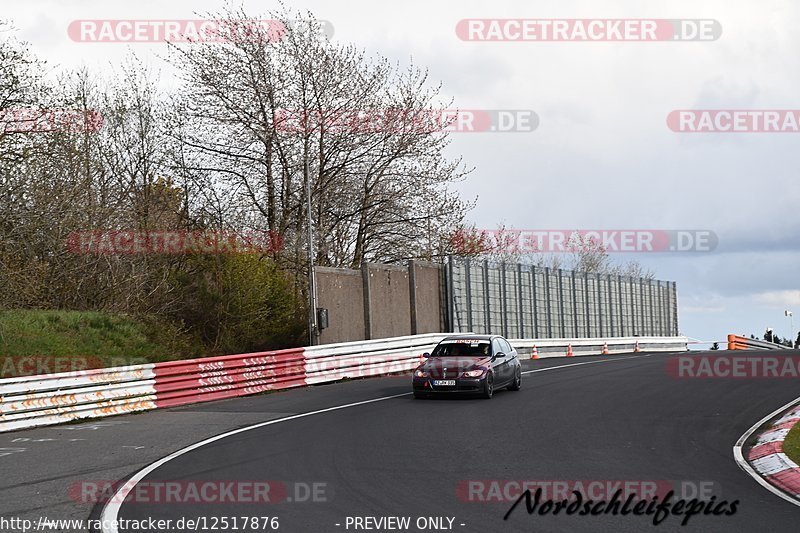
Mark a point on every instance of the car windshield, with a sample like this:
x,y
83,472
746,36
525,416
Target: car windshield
x,y
462,349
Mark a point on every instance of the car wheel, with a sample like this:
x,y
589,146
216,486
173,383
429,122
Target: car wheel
x,y
488,387
419,396
517,383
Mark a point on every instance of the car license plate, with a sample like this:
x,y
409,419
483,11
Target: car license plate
x,y
444,383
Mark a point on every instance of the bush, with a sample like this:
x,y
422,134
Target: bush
x,y
240,303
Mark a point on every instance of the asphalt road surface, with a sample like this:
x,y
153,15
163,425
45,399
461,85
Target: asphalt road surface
x,y
608,420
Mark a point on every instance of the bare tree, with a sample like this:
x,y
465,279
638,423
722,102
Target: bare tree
x,y
580,254
261,121
269,119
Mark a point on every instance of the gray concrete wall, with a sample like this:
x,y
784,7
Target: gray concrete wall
x,y
389,301
427,314
380,301
341,292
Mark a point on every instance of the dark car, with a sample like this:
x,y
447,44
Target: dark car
x,y
478,364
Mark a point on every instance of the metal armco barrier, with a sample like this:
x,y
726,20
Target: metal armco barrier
x,y
56,398
559,347
735,342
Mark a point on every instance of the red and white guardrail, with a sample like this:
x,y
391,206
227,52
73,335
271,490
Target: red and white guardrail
x,y
41,400
54,398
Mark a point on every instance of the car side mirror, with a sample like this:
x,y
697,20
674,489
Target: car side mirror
x,y
426,355
498,355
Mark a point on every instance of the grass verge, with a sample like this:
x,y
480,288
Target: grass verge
x,y
791,444
43,341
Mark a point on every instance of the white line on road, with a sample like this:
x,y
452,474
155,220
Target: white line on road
x,y
589,363
111,510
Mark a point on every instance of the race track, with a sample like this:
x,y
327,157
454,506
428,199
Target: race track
x,y
615,418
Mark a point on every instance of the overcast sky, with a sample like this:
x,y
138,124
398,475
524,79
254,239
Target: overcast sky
x,y
602,156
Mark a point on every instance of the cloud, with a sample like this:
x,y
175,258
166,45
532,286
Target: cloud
x,y
701,309
783,299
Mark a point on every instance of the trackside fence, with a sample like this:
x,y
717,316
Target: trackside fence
x,y
525,301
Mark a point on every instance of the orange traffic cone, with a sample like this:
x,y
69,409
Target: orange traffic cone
x,y
636,347
569,350
535,353
605,348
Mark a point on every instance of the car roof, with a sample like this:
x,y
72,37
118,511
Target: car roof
x,y
471,336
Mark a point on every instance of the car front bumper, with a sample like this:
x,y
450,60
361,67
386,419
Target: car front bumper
x,y
463,385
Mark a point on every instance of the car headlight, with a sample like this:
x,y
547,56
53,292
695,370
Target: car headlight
x,y
478,372
421,374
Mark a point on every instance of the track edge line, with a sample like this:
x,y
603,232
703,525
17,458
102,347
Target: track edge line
x,y
110,514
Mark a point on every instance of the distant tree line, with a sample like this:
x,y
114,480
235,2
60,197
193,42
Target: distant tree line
x,y
770,336
580,255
